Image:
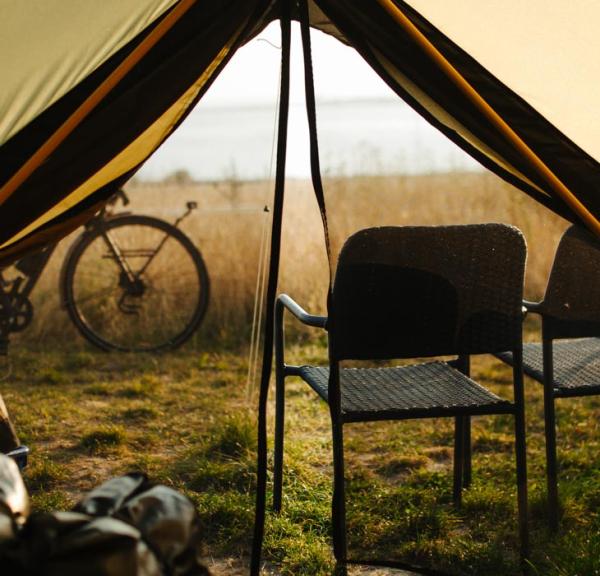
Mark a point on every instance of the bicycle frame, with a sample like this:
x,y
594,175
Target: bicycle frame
x,y
99,220
15,307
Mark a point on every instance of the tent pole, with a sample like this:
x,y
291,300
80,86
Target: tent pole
x,y
267,360
88,105
496,120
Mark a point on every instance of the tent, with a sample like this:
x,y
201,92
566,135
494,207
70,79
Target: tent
x,y
90,90
101,86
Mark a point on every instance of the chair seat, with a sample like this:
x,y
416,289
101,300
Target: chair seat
x,y
415,391
576,365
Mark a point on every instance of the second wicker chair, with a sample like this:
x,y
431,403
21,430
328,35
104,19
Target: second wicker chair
x,y
414,292
567,360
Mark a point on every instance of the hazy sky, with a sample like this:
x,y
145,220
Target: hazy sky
x,y
252,75
232,130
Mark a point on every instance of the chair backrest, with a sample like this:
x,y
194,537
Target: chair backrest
x,y
573,290
405,292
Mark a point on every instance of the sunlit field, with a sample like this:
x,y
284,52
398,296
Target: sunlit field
x,y
231,229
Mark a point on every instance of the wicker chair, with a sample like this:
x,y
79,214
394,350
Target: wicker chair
x,y
570,314
405,293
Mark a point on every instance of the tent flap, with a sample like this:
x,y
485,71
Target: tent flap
x,y
129,124
55,53
418,79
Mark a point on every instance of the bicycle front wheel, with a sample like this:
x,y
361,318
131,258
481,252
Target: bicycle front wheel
x,y
135,284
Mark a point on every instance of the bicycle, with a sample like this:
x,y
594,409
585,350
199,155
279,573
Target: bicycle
x,y
129,282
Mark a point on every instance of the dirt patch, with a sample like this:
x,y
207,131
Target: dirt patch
x,y
369,571
234,567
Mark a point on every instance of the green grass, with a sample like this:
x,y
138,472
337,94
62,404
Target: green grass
x,y
184,419
103,439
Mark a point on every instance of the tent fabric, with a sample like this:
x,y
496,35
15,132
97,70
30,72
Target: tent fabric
x,y
114,140
41,59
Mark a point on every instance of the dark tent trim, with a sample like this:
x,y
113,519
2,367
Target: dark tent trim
x,y
276,226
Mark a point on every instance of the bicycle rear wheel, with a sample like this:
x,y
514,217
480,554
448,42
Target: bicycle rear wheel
x,y
135,284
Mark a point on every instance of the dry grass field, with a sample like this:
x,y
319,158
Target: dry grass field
x,y
230,228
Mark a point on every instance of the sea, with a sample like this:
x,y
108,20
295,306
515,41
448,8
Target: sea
x,y
356,137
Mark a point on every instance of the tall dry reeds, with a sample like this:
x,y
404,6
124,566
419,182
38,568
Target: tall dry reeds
x,y
230,224
451,198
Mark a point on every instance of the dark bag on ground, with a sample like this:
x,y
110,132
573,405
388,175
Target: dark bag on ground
x,y
125,527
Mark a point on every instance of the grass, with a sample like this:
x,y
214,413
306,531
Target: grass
x,y
188,424
103,440
187,419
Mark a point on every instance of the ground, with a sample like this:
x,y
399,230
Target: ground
x,y
187,419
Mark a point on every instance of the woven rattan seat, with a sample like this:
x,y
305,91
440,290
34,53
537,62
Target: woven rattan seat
x,y
412,293
567,360
430,389
576,365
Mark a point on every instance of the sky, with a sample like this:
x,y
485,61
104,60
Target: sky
x,y
231,130
252,76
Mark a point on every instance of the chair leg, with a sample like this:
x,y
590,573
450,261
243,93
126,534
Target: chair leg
x,y
459,441
521,453
551,465
279,437
464,365
550,431
467,461
339,497
522,483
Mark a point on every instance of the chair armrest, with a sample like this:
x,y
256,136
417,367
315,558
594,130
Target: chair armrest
x,y
536,307
301,314
282,303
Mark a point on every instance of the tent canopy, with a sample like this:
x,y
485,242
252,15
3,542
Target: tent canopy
x,y
90,90
145,63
